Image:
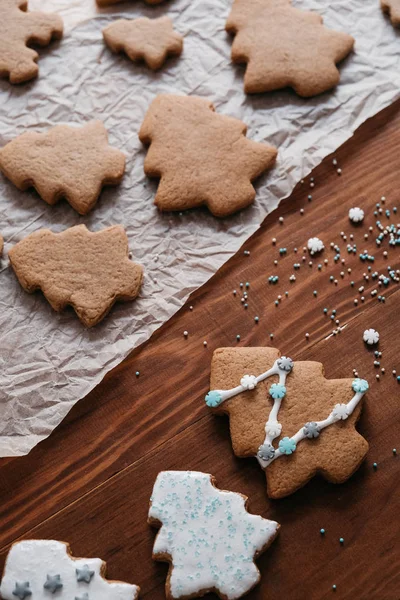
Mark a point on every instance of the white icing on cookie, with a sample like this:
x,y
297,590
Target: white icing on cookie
x,y
209,536
33,560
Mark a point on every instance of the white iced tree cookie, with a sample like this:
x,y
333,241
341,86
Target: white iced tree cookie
x,y
207,536
37,569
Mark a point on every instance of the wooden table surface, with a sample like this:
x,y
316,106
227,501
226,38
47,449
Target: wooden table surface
x,y
89,483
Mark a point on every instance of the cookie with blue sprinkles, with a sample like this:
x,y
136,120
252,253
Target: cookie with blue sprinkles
x,y
207,536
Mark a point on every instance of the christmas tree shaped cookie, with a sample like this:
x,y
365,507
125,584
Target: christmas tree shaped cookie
x,y
43,569
284,46
207,536
151,40
392,8
201,157
66,162
89,271
19,28
294,421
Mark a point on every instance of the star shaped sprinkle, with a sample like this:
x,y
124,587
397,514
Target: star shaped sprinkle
x,y
200,156
19,28
284,46
53,583
84,574
210,539
69,578
22,590
89,271
65,162
151,40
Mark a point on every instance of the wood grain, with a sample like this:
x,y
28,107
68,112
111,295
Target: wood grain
x,y
90,482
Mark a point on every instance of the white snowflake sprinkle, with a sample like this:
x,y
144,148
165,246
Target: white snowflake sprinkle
x,y
249,382
371,337
315,245
340,412
356,215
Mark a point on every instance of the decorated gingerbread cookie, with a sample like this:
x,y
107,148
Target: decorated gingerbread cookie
x,y
18,27
66,162
284,46
294,421
151,40
201,157
89,271
392,8
40,569
207,536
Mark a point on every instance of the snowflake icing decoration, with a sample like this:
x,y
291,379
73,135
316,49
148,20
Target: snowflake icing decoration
x,y
287,445
340,412
285,364
277,391
360,386
249,382
311,430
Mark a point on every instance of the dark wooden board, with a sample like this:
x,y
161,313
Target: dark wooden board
x,y
90,482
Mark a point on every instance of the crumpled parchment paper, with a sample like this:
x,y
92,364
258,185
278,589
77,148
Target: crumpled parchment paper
x,y
48,360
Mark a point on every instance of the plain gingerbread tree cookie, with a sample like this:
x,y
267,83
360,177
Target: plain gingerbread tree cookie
x,y
66,162
201,157
207,536
392,8
151,40
39,569
286,414
284,46
88,271
19,28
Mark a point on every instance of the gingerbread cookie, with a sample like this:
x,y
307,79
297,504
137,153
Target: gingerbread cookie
x,y
151,40
66,162
392,8
284,46
89,271
37,569
19,28
207,536
300,426
201,157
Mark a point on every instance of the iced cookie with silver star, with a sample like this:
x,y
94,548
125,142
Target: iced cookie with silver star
x,y
42,569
